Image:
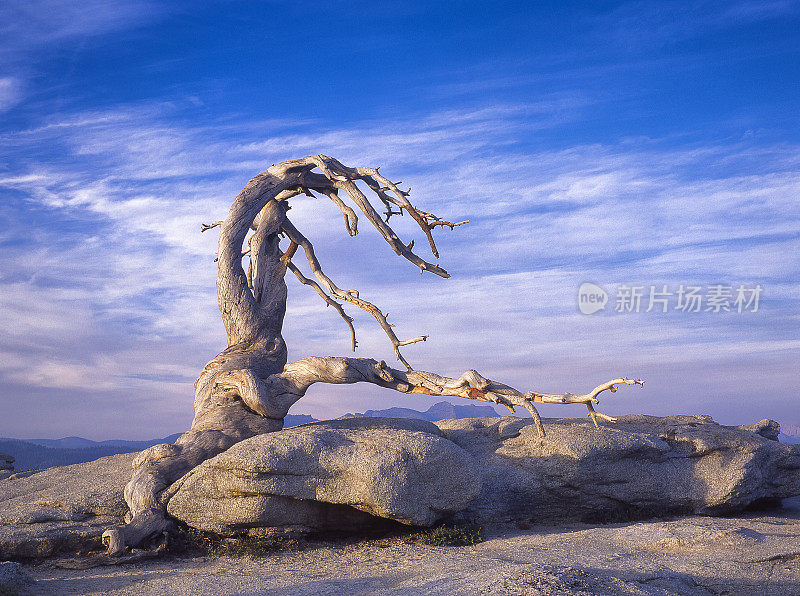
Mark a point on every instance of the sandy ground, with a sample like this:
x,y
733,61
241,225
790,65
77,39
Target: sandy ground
x,y
753,554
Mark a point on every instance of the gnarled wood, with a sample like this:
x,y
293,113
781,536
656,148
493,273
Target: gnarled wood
x,y
248,388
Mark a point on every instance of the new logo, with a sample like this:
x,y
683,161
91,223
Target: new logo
x,y
591,298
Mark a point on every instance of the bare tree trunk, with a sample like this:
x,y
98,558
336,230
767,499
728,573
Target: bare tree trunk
x,y
248,388
224,411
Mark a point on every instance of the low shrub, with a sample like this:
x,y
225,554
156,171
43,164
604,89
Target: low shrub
x,y
188,539
446,536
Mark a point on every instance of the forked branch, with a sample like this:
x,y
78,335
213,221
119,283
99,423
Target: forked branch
x,y
240,301
328,300
298,376
347,296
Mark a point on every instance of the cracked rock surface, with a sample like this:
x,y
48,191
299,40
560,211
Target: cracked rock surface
x,y
314,477
640,467
61,509
330,475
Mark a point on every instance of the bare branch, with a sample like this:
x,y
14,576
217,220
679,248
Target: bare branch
x,y
344,178
401,201
328,300
352,297
388,233
282,182
289,253
350,218
451,225
407,342
300,375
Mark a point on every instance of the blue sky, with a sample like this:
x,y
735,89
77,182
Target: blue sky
x,y
639,143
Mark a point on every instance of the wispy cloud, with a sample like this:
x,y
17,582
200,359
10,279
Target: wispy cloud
x,y
10,92
27,24
109,291
649,22
33,31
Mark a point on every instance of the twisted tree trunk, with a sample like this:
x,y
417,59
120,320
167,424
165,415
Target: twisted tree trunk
x,y
248,388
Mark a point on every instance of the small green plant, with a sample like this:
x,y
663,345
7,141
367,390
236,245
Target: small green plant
x,y
446,536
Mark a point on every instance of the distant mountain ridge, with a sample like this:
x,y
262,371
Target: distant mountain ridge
x,y
790,433
440,411
31,454
793,430
44,453
81,443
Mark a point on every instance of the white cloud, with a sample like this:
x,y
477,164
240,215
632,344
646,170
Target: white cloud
x,y
10,93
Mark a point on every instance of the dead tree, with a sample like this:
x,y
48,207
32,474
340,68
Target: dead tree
x,y
248,388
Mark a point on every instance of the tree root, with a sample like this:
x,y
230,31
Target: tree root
x,y
134,556
145,524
